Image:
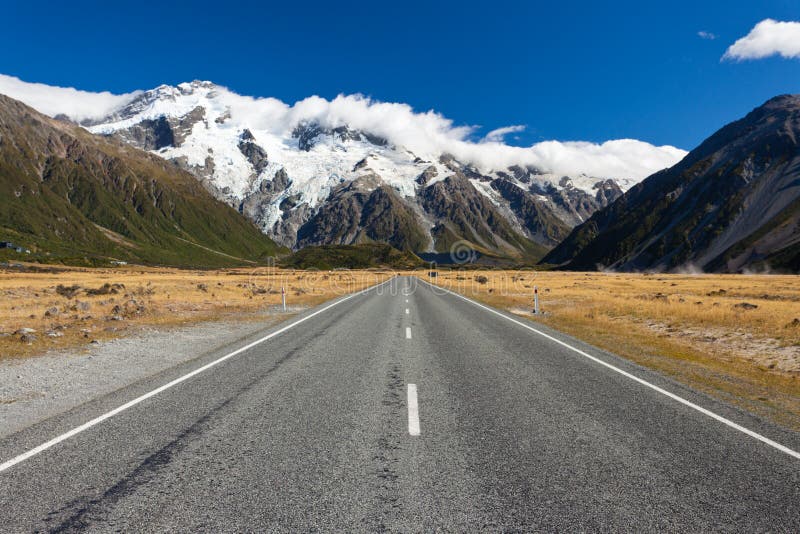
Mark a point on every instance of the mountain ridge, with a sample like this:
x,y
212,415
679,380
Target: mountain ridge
x,y
730,205
288,184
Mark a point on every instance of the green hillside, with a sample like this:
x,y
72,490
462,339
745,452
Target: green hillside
x,y
73,197
373,255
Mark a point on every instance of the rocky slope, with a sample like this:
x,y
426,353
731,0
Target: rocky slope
x,y
311,184
733,204
69,195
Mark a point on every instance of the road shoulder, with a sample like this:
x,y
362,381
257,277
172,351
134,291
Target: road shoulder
x,y
35,389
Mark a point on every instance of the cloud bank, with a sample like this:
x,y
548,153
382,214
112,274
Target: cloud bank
x,y
50,100
426,134
429,134
768,38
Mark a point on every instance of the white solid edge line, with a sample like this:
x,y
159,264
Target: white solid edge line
x,y
408,332
413,410
97,420
673,396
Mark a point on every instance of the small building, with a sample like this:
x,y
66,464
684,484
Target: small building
x,y
15,248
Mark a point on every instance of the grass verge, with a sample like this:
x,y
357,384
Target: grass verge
x,y
44,308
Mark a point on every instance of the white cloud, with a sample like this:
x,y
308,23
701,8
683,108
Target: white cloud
x,y
707,35
427,134
430,134
768,38
498,135
50,100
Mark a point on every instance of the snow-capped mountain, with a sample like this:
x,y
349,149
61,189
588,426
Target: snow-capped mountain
x,y
311,177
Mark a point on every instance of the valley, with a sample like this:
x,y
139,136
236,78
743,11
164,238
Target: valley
x,y
306,177
276,180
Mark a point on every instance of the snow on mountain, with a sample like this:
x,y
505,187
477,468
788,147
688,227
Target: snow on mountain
x,y
327,158
281,164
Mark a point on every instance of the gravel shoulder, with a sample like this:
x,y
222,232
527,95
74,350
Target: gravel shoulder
x,y
34,389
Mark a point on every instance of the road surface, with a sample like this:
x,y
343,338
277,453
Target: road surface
x,y
403,408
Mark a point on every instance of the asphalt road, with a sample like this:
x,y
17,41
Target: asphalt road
x,y
314,429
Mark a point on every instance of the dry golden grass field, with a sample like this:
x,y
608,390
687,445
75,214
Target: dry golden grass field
x,y
69,307
735,337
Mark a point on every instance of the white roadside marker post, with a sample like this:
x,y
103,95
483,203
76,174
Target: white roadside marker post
x,y
535,300
283,297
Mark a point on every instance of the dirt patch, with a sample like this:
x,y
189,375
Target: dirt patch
x,y
769,353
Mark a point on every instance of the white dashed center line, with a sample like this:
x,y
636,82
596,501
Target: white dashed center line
x,y
408,332
406,311
413,410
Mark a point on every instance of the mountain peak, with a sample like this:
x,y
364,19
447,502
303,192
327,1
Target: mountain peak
x,y
184,88
787,101
194,84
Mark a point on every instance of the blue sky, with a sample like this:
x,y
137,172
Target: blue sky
x,y
565,70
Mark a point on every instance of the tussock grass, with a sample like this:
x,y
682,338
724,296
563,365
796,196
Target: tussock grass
x,y
70,307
